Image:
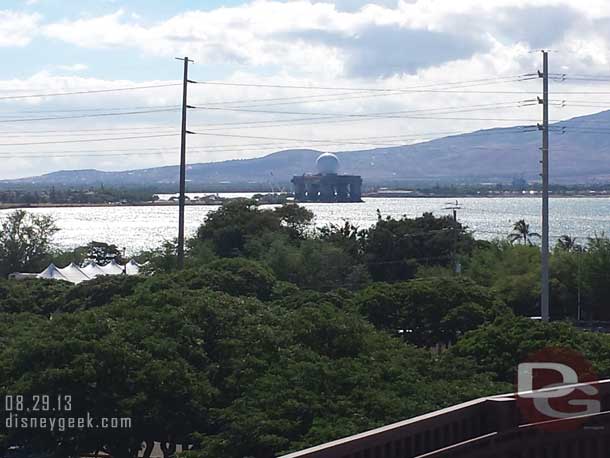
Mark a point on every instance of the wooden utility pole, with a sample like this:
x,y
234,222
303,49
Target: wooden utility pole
x,y
182,197
544,300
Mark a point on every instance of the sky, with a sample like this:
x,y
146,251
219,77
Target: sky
x,y
270,75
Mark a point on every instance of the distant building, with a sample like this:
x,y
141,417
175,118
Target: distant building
x,y
327,185
519,183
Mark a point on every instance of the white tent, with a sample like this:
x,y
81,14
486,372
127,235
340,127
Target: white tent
x,y
132,267
52,273
113,268
92,270
74,274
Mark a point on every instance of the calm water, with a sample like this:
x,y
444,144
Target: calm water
x,y
138,228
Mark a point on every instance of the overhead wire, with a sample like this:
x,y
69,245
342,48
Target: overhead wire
x,y
388,141
423,88
86,110
98,115
361,94
319,116
89,91
53,142
400,136
393,114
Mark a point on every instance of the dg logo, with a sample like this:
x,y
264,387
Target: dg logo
x,y
557,384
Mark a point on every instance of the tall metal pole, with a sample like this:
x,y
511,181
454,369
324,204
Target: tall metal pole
x,y
545,301
182,197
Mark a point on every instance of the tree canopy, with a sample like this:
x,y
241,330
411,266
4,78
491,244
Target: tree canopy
x,y
25,242
279,335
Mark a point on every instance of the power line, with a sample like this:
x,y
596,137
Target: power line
x,y
113,131
457,109
422,90
388,142
161,150
93,91
87,140
479,107
78,110
322,119
258,137
294,99
311,99
516,78
389,115
84,133
131,152
298,99
98,115
72,131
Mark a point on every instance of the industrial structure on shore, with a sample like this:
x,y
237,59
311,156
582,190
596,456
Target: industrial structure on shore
x,y
327,185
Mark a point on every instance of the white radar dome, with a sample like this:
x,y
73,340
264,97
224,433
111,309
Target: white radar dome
x,y
327,164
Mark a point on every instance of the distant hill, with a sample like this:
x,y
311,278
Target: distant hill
x,y
580,152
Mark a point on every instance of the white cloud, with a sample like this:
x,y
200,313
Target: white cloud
x,y
17,29
357,38
382,44
502,60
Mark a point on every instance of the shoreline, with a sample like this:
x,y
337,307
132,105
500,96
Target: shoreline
x,y
165,203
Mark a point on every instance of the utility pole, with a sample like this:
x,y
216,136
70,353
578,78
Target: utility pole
x,y
455,207
125,261
457,268
182,197
578,298
544,300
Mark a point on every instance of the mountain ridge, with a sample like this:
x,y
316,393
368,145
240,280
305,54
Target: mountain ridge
x,y
580,153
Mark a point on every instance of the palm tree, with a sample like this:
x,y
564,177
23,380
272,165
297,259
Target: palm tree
x,y
521,232
566,243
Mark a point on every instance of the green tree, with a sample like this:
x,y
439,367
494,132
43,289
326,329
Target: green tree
x,y
125,360
161,259
347,237
234,276
236,221
103,253
314,264
238,277
395,248
521,232
297,219
566,243
25,242
500,346
232,375
512,272
98,292
596,277
330,376
428,311
37,296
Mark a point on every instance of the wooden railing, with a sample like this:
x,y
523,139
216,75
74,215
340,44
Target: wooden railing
x,y
484,428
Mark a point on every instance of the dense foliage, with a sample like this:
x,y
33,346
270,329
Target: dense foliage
x,y
279,336
60,195
25,241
